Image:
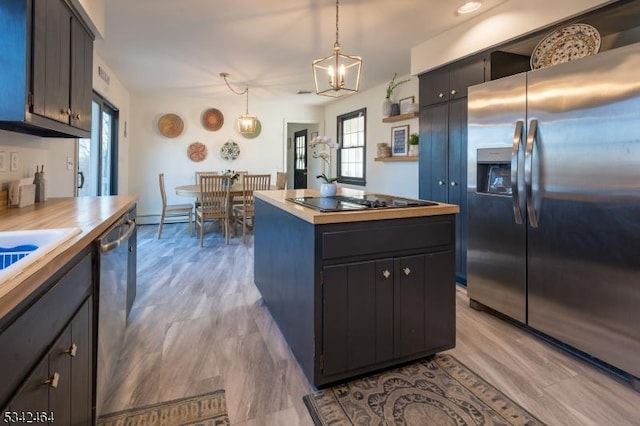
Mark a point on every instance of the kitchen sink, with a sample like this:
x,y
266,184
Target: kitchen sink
x,y
19,249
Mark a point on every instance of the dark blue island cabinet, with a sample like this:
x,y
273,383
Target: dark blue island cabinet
x,y
359,291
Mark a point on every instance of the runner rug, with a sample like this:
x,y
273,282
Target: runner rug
x,y
433,391
209,409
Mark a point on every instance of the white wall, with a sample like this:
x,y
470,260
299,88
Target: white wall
x,y
36,151
151,153
118,96
508,21
397,178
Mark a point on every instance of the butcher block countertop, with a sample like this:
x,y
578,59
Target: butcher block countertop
x,y
278,199
93,215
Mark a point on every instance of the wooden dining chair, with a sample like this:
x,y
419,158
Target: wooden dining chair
x,y
281,180
172,210
214,196
196,203
244,213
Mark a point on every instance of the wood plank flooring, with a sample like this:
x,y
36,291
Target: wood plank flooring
x,y
198,324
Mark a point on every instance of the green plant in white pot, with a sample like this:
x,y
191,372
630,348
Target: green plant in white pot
x,y
322,146
414,141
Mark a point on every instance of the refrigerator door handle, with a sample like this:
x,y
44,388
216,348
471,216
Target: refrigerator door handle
x,y
528,173
515,185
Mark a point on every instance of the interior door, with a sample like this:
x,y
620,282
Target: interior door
x,y
300,159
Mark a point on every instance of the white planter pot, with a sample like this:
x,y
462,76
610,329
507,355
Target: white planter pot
x,y
414,150
386,107
328,189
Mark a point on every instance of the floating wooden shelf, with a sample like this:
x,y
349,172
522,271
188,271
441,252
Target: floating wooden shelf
x,y
397,158
400,117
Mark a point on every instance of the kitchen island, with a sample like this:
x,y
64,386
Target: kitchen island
x,y
357,291
49,310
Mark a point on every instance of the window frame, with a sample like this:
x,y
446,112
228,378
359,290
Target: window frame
x,y
340,125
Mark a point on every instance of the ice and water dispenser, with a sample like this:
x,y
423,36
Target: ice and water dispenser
x,y
494,171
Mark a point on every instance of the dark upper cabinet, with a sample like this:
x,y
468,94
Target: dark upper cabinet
x,y
450,83
46,87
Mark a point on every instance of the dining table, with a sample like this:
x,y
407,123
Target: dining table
x,y
193,190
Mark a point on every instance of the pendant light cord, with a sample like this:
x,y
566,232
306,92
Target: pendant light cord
x,y
337,44
224,75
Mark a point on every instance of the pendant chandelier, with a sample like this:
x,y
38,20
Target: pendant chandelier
x,y
247,124
337,75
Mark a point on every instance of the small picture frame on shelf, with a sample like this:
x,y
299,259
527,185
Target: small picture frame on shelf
x,y
314,135
405,104
399,140
3,161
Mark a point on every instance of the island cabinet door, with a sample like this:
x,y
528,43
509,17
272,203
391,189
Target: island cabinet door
x,y
424,304
357,315
410,305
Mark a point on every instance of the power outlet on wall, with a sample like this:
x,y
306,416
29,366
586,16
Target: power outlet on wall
x,y
70,163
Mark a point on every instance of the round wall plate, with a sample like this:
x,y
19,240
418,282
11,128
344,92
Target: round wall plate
x,y
197,152
212,119
566,44
170,125
230,150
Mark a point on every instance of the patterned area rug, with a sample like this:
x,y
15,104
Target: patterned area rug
x,y
209,409
437,391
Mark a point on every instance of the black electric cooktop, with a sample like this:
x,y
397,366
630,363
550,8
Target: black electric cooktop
x,y
339,203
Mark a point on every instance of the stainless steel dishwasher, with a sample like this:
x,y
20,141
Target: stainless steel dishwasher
x,y
113,249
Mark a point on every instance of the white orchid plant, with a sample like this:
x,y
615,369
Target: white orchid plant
x,y
321,148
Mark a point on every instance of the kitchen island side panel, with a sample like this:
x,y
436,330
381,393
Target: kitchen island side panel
x,y
284,273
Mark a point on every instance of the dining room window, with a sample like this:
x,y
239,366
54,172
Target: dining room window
x,y
352,146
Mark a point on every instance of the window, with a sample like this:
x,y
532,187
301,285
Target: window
x,y
352,141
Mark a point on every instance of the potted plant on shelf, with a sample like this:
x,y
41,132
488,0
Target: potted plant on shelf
x,y
414,141
388,103
321,148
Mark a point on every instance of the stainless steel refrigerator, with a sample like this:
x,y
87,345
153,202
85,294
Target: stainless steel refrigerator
x,y
554,202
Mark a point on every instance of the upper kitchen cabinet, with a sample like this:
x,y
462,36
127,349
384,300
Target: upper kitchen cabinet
x,y
46,85
450,83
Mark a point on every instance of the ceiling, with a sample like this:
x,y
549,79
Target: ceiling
x,y
180,47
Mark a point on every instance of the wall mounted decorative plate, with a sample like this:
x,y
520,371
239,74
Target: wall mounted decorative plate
x,y
212,119
197,152
230,150
170,125
254,134
566,44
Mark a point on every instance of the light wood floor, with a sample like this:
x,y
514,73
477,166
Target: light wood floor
x,y
198,324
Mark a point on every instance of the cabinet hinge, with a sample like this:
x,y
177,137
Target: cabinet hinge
x,y
321,362
30,99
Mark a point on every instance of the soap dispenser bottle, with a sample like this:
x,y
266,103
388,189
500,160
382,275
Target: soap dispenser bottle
x,y
38,181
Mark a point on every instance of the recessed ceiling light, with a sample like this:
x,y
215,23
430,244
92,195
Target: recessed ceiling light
x,y
470,6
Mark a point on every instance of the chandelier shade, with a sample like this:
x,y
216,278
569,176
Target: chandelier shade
x,y
338,74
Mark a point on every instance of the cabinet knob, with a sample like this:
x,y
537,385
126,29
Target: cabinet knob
x,y
454,183
441,95
72,350
406,270
441,182
386,273
53,380
64,111
76,116
453,92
